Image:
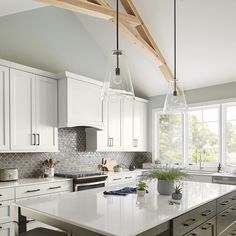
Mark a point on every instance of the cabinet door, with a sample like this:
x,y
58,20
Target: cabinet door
x,y
127,133
140,126
46,114
22,110
7,229
4,108
114,124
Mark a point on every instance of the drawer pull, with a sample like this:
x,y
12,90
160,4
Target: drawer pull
x,y
207,212
233,208
0,195
206,226
0,227
224,203
192,234
128,177
0,204
233,233
32,191
225,214
57,187
189,222
117,179
233,198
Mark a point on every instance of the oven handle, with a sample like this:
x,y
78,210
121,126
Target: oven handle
x,y
88,184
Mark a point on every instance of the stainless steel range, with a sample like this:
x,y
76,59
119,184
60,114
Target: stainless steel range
x,y
83,180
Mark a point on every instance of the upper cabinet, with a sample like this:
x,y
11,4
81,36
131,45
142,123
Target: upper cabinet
x,y
28,109
79,101
33,109
4,108
125,127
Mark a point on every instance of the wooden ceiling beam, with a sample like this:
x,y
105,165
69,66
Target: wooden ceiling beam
x,y
92,9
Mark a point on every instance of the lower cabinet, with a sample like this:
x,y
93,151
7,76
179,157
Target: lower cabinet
x,y
7,229
206,229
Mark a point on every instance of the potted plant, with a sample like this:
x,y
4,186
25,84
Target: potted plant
x,y
166,178
141,188
177,195
117,168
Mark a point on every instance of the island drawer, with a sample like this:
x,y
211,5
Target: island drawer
x,y
7,229
226,201
206,229
190,220
6,212
226,218
231,231
7,194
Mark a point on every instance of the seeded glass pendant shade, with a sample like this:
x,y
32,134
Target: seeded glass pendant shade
x,y
175,101
118,82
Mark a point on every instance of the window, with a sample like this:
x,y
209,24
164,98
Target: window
x,y
203,136
170,138
229,120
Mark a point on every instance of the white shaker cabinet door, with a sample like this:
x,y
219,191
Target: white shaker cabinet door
x,y
22,110
114,124
127,125
4,108
140,126
46,114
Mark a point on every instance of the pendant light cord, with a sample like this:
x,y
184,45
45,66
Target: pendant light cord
x,y
117,38
175,51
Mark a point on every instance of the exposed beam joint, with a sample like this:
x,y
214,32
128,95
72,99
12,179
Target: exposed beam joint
x,y
92,9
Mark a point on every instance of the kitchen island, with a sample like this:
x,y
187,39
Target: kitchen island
x,y
92,213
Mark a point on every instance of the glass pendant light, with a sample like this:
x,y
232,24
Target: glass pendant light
x,y
175,101
118,82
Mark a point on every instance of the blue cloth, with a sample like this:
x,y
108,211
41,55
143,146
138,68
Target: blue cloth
x,y
121,192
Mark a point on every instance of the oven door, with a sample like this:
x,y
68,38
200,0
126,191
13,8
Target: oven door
x,y
86,186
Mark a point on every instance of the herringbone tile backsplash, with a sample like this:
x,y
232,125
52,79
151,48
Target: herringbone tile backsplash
x,y
72,156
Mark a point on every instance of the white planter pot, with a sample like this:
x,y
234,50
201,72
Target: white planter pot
x,y
141,193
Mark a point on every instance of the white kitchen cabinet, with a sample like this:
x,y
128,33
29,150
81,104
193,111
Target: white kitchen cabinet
x,y
7,229
125,127
135,125
4,108
33,109
108,139
22,109
199,178
46,114
80,102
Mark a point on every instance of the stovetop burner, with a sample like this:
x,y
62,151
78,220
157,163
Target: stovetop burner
x,y
80,174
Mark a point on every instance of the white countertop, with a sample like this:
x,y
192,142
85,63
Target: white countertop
x,y
209,173
123,216
30,181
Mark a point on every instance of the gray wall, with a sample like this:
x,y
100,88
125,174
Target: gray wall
x,y
51,39
206,94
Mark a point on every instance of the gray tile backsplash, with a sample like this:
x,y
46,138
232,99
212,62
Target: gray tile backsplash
x,y
72,156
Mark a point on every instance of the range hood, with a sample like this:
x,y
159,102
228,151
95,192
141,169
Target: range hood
x,y
79,101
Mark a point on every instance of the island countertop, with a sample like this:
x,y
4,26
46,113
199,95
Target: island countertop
x,y
123,215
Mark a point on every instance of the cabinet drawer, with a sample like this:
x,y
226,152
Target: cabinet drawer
x,y
231,231
226,201
187,222
6,212
6,194
7,229
226,218
57,187
121,178
29,191
206,229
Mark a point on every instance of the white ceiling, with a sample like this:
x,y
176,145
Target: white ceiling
x,y
206,41
8,7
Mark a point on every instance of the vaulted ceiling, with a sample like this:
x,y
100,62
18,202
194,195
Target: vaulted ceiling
x,y
206,41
